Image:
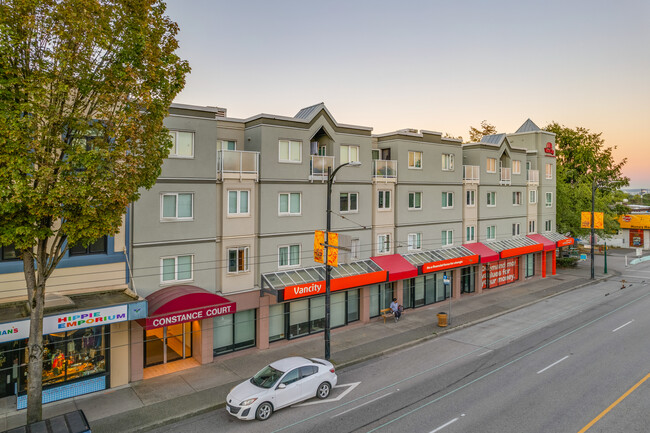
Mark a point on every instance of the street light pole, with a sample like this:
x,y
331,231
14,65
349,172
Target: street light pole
x,y
593,234
328,268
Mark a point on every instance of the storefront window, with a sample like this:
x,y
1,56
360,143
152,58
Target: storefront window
x,y
500,272
72,355
353,305
317,313
467,279
298,318
381,295
234,332
277,321
337,310
12,362
530,265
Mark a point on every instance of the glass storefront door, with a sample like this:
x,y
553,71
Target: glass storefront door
x,y
167,344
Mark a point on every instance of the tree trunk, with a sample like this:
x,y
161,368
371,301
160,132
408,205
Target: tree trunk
x,y
36,295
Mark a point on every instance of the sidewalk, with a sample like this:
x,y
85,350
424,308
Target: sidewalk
x,y
143,405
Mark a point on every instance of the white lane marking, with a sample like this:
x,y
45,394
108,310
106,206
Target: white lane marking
x,y
357,407
485,353
444,425
350,386
555,363
614,330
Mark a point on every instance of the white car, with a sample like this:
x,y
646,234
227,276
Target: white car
x,y
280,384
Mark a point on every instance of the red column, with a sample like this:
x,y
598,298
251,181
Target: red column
x,y
553,262
543,264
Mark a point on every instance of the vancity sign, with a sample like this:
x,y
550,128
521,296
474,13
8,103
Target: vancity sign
x,y
441,265
318,287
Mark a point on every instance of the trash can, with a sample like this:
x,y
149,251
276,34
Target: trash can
x,y
442,319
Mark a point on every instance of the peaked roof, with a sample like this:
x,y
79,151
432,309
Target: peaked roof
x,y
493,139
528,126
308,112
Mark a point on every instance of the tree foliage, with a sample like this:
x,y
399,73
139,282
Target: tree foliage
x,y
583,157
475,134
84,88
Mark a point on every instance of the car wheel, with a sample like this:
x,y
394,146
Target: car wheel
x,y
264,411
323,390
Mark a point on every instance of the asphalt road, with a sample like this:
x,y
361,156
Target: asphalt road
x,y
573,363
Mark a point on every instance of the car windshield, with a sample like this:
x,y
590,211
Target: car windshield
x,y
266,377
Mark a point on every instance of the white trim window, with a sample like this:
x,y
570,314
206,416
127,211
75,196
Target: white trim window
x,y
549,199
288,256
349,202
470,198
447,162
516,229
383,243
176,268
383,199
469,233
491,165
226,145
238,202
349,153
531,226
415,201
415,159
289,203
516,198
289,151
183,146
491,233
447,238
355,248
516,167
491,199
548,225
237,260
447,200
176,206
549,171
414,241
532,197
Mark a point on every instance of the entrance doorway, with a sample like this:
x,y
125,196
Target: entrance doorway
x,y
167,344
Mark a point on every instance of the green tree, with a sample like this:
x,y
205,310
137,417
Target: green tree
x,y
583,157
475,134
84,88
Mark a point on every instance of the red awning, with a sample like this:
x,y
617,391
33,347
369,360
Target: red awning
x,y
486,253
549,245
397,266
180,304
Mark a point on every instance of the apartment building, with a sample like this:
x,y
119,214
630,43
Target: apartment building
x,y
88,309
222,246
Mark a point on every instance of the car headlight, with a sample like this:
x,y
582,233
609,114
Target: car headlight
x,y
248,402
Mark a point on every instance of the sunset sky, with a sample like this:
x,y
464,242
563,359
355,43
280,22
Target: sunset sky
x,y
434,65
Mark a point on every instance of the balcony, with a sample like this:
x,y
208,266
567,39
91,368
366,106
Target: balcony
x,y
384,170
471,173
506,176
318,166
532,177
238,164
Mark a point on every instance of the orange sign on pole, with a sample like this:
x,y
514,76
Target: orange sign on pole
x,y
332,250
585,220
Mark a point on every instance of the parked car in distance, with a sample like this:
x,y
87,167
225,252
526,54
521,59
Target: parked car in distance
x,y
280,384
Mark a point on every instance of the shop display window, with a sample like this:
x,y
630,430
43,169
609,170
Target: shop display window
x,y
72,355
